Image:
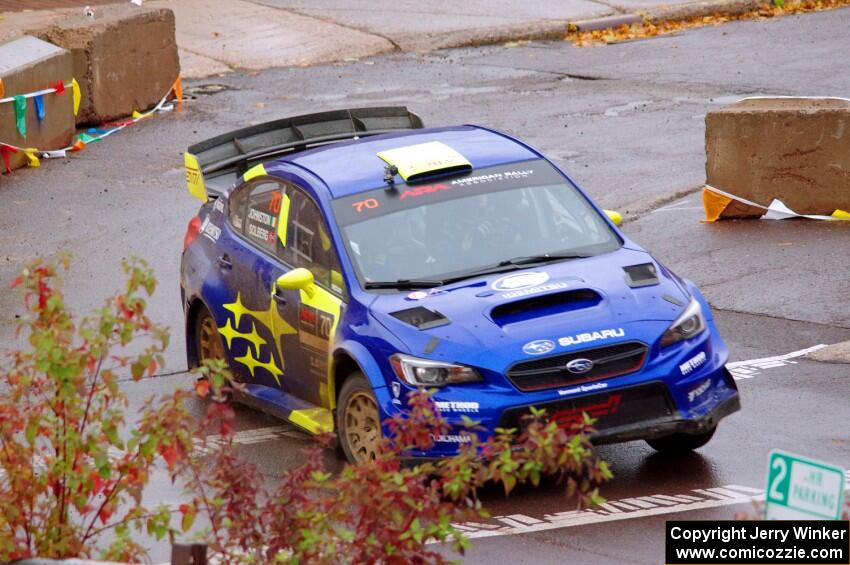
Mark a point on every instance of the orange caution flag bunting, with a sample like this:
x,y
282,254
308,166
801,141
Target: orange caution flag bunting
x,y
32,154
719,204
7,151
177,89
714,204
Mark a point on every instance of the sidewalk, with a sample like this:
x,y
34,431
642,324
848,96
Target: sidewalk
x,y
218,36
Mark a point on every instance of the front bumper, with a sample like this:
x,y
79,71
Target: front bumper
x,y
642,411
661,427
683,389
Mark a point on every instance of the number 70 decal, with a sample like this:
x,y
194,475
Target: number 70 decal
x,y
369,203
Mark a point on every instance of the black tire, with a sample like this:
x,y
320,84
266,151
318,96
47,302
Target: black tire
x,y
681,443
357,420
208,344
205,323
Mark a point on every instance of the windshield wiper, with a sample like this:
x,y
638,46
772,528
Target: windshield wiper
x,y
545,258
404,284
513,264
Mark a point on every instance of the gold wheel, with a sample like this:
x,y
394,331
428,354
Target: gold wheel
x,y
362,427
209,342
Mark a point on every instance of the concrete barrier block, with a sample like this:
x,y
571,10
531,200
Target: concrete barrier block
x,y
793,149
28,64
125,59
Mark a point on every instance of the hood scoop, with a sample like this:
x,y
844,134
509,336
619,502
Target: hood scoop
x,y
545,305
421,318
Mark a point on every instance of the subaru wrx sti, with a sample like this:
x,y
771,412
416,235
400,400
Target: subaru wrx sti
x,y
341,260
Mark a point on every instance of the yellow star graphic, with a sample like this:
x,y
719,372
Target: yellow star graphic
x,y
249,361
269,318
229,332
237,308
256,340
273,319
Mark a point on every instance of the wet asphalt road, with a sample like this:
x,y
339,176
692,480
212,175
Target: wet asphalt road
x,y
627,121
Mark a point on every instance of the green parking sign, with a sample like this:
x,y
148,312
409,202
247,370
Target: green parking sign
x,y
802,488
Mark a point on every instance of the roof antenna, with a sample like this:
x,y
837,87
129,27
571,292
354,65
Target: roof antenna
x,y
390,171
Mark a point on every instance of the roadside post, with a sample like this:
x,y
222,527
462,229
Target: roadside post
x,y
799,488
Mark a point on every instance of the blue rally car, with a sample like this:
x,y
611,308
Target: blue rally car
x,y
343,259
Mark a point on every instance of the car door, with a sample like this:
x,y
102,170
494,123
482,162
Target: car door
x,y
319,308
257,315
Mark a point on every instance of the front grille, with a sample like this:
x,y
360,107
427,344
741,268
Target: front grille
x,y
550,372
620,407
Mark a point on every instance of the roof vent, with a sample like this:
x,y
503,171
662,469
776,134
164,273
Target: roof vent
x,y
421,318
641,275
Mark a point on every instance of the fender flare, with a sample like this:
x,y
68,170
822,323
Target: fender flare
x,y
364,360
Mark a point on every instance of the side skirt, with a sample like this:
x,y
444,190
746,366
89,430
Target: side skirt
x,y
275,402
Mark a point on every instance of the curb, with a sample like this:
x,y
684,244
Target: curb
x,y
557,30
663,13
547,30
605,22
703,8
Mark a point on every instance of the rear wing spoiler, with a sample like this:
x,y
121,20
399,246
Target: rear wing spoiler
x,y
213,165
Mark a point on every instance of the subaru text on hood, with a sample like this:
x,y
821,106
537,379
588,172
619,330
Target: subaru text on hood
x,y
344,259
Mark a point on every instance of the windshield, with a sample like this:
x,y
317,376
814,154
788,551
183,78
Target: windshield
x,y
469,222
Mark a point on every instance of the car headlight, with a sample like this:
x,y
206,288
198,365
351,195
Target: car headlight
x,y
424,372
686,326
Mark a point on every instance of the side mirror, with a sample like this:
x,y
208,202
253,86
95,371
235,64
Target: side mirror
x,y
296,279
614,216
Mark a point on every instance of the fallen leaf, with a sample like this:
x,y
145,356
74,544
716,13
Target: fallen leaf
x,y
649,28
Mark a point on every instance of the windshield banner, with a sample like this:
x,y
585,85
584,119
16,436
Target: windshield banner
x,y
386,200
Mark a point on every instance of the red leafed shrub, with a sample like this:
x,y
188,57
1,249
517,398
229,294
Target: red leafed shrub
x,y
73,468
382,511
70,474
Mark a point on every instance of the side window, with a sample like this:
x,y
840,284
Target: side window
x,y
308,244
254,212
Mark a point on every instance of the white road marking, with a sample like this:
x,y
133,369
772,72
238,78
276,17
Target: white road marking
x,y
524,519
751,368
625,509
253,436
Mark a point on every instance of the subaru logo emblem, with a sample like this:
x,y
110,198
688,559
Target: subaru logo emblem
x,y
538,347
579,365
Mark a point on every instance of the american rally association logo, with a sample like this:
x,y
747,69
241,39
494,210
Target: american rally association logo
x,y
517,281
538,347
